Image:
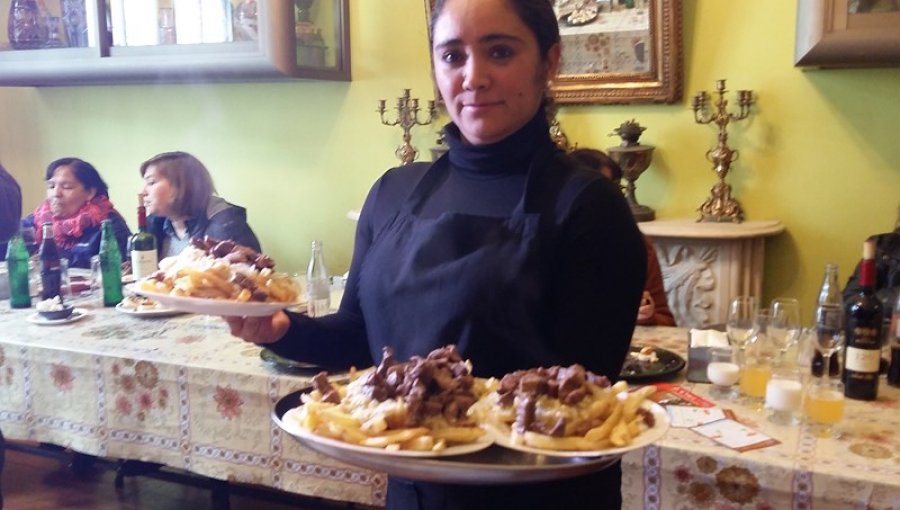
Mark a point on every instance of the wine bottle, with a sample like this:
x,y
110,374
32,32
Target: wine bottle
x,y
51,270
863,329
142,246
318,286
17,271
110,265
893,377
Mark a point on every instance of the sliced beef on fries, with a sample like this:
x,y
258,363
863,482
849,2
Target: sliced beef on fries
x,y
421,404
563,408
215,269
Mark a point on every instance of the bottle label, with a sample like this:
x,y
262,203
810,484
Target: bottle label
x,y
862,360
143,263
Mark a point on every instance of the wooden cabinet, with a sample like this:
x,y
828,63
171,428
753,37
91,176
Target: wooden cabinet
x,y
170,41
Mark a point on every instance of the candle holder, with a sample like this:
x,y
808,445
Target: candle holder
x,y
721,206
407,118
633,158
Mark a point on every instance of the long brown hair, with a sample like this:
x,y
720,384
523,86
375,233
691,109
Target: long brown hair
x,y
191,180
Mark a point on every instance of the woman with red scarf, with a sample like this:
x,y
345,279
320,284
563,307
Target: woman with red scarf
x,y
77,201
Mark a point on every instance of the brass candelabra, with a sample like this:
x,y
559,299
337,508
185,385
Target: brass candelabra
x,y
721,206
407,118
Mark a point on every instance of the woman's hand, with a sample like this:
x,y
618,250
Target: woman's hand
x,y
260,330
648,307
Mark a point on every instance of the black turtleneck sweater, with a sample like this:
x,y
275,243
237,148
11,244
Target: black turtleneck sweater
x,y
593,262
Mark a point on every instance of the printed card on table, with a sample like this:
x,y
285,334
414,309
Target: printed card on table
x,y
734,435
690,416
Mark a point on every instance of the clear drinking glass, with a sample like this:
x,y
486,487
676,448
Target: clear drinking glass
x,y
784,324
723,372
823,406
96,277
784,394
757,362
829,333
741,323
65,282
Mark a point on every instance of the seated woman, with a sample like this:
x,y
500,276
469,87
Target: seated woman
x,y
180,201
77,201
654,310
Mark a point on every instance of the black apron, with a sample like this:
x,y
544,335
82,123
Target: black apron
x,y
473,281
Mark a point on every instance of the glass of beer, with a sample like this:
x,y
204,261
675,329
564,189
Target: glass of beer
x,y
823,406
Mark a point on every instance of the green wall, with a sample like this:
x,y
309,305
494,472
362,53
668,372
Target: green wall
x,y
819,153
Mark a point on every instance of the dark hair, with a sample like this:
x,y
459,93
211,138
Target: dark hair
x,y
85,172
191,180
596,160
537,15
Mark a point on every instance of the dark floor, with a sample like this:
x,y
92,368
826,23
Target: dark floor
x,y
46,482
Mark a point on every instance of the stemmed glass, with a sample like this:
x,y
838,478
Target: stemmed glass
x,y
829,333
784,325
741,323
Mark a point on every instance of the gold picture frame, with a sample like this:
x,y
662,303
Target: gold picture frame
x,y
845,33
621,52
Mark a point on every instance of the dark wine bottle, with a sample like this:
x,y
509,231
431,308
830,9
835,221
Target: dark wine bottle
x,y
893,377
51,270
863,329
110,265
142,246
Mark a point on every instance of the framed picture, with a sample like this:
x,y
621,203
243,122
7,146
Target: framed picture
x,y
617,51
847,33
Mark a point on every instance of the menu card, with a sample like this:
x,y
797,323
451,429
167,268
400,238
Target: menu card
x,y
686,409
734,435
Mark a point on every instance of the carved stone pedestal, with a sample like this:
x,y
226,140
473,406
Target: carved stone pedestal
x,y
704,265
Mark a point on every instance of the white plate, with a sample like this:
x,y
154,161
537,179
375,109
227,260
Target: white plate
x,y
154,312
660,426
219,307
77,315
290,426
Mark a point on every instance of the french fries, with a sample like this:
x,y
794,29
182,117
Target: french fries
x,y
606,417
344,423
194,273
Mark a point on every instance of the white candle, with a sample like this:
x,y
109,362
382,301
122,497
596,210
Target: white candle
x,y
722,373
783,394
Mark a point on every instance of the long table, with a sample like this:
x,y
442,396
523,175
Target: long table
x,y
181,391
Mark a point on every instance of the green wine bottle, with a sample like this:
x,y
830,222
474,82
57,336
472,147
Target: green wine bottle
x,y
110,265
17,268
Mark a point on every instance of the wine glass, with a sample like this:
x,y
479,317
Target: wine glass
x,y
741,323
784,324
829,333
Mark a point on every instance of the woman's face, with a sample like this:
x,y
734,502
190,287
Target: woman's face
x,y
488,68
159,194
66,194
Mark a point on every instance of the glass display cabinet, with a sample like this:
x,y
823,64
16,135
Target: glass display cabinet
x,y
83,42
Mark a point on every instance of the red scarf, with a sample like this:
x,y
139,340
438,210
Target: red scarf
x,y
67,232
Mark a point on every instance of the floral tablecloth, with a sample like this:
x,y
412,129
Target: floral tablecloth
x,y
183,392
180,391
684,471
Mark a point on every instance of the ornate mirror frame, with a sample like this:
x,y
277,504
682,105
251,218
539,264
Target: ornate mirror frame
x,y
654,52
830,35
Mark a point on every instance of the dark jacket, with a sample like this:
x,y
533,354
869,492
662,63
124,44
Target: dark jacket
x,y
89,245
887,271
10,208
222,221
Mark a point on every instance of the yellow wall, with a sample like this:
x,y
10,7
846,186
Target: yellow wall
x,y
820,152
